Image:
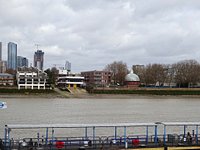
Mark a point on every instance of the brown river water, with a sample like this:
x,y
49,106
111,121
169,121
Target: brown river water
x,y
112,110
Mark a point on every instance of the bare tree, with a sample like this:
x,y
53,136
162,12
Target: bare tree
x,y
11,71
184,73
155,74
119,71
140,71
187,73
170,71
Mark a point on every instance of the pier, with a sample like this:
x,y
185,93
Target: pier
x,y
159,135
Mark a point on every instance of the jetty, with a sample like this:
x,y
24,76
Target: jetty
x,y
154,136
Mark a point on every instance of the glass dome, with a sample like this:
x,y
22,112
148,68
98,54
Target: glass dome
x,y
132,77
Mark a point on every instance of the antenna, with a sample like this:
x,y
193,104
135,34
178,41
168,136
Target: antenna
x,y
37,45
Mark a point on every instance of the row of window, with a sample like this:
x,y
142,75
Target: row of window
x,y
1,78
71,80
32,87
31,82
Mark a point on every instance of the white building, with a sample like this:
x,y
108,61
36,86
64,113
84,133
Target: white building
x,y
70,81
31,78
66,80
62,71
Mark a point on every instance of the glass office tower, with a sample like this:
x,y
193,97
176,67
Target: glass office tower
x,y
22,61
12,56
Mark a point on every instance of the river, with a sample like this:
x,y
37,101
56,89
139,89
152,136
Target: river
x,y
115,110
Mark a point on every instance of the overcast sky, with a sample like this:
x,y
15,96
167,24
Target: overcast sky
x,y
93,33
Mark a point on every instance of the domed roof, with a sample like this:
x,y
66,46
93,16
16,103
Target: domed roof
x,y
132,77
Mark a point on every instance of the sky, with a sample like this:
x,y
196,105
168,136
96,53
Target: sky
x,y
93,33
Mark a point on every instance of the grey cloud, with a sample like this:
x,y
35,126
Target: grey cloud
x,y
93,33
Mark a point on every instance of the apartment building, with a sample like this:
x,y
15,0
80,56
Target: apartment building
x,y
97,78
31,78
6,79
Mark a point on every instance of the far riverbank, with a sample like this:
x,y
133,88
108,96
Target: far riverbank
x,y
96,96
147,91
104,93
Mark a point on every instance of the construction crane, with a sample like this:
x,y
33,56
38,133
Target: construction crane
x,y
37,46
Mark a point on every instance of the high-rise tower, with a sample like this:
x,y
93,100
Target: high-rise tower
x,y
68,66
0,51
12,56
39,59
22,61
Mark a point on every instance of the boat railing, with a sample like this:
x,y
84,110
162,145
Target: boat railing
x,y
131,141
177,140
120,135
55,142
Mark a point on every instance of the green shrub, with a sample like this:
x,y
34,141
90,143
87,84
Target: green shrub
x,y
26,91
147,92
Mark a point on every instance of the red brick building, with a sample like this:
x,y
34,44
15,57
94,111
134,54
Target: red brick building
x,y
97,78
6,79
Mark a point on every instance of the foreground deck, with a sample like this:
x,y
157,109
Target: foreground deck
x,y
150,136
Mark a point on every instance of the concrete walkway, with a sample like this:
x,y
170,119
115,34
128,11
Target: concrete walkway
x,y
65,94
72,93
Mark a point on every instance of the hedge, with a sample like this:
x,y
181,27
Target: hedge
x,y
26,91
147,92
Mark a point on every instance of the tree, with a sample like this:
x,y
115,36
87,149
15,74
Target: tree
x,y
52,75
187,73
154,74
119,71
170,70
140,71
11,71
